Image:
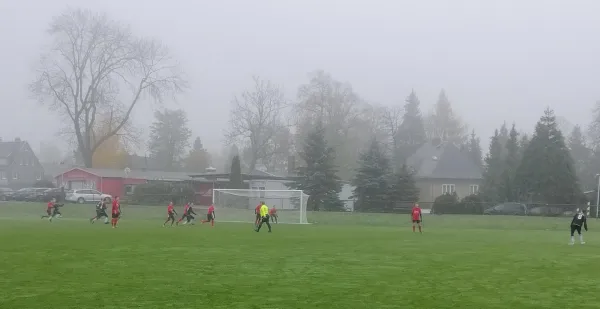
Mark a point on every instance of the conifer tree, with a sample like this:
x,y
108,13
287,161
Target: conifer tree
x,y
318,178
581,156
235,177
493,168
411,133
371,180
511,163
473,148
403,187
547,173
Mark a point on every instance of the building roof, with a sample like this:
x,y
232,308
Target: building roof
x,y
444,161
254,175
137,174
7,148
136,162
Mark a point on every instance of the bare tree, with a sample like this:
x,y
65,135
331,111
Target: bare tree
x,y
96,65
255,119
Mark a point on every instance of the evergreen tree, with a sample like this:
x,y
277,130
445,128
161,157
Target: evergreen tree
x,y
509,191
581,156
233,151
403,187
445,124
318,178
371,179
411,133
493,168
473,148
504,135
235,176
198,158
523,143
547,173
169,137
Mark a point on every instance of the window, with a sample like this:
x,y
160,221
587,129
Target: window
x,y
262,192
129,189
3,175
474,189
38,176
15,175
447,189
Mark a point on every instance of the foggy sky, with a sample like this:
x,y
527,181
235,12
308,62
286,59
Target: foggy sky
x,y
497,60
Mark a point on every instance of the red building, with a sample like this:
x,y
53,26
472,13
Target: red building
x,y
122,183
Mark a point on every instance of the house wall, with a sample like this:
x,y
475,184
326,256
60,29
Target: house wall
x,y
116,186
279,200
22,169
432,188
78,179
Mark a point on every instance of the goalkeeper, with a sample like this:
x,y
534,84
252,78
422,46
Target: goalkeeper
x,y
264,215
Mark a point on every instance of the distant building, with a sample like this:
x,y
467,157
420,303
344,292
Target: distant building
x,y
19,166
443,168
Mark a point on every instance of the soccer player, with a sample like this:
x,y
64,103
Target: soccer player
x,y
273,214
189,216
264,215
185,211
116,211
171,213
417,217
578,221
210,216
49,208
55,211
101,211
257,213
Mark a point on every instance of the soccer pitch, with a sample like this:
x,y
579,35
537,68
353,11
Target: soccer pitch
x,y
343,260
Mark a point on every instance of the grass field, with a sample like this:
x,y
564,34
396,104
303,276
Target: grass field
x,y
341,261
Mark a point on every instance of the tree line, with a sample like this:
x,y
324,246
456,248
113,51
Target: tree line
x,y
98,71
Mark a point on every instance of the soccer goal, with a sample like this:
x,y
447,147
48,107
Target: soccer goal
x,y
237,205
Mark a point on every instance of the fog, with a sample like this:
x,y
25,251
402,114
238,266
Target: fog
x,y
497,60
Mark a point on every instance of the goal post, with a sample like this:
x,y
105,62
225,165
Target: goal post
x,y
237,205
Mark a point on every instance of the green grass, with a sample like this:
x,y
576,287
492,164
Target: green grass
x,y
341,261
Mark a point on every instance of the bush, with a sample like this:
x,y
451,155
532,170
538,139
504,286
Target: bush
x,y
160,193
43,184
449,204
445,204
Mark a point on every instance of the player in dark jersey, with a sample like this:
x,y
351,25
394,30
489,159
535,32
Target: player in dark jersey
x,y
55,212
578,221
190,212
101,211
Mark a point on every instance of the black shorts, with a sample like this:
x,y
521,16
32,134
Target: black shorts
x,y
171,216
190,217
116,215
209,217
575,228
416,221
265,218
101,213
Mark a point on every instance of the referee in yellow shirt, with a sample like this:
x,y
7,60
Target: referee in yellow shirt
x,y
264,215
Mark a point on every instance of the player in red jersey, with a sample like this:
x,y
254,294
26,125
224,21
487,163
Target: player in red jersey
x,y
185,213
417,217
171,213
116,211
210,216
257,213
273,214
49,209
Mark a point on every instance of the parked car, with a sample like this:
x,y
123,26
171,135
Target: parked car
x,y
54,193
6,194
36,194
550,211
21,194
515,209
86,195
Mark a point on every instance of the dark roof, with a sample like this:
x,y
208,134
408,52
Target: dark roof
x,y
254,175
136,162
445,161
137,174
7,148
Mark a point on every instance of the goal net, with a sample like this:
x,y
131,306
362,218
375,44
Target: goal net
x,y
237,205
